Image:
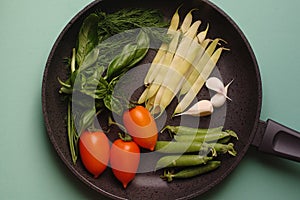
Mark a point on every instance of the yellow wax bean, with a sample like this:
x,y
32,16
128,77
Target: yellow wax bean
x,y
187,22
177,76
202,35
162,50
161,70
185,54
198,67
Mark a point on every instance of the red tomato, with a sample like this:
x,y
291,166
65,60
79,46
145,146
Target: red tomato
x,y
141,125
94,151
124,160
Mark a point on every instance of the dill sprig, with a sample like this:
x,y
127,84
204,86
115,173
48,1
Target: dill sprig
x,y
126,19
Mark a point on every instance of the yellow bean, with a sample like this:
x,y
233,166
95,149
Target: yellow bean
x,y
198,67
143,96
176,76
161,70
202,35
185,55
187,22
162,50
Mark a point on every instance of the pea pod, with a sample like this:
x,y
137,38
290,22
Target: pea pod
x,y
181,161
225,148
224,140
202,148
184,130
191,171
131,54
184,147
211,137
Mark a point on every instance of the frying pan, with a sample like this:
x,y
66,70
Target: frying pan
x,y
242,114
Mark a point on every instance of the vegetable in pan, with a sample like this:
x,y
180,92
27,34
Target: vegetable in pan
x,y
171,147
130,56
216,85
124,159
201,148
193,151
96,67
191,171
182,160
141,125
213,137
94,151
178,130
199,109
163,49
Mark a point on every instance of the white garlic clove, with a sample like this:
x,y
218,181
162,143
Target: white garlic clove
x,y
201,108
218,100
215,84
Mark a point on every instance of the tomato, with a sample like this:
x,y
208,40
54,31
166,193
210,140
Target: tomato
x,y
94,151
124,160
141,125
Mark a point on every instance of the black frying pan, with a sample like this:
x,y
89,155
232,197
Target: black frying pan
x,y
242,114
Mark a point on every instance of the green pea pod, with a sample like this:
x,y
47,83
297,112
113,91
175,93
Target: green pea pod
x,y
191,171
225,148
131,54
184,147
184,130
181,161
212,137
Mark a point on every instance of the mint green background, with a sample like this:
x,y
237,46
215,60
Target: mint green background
x,y
31,169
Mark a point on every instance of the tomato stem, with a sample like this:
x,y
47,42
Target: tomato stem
x,y
111,122
125,137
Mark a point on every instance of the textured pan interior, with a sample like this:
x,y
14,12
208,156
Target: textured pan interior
x,y
242,113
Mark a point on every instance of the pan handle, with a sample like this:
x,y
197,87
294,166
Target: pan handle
x,y
275,138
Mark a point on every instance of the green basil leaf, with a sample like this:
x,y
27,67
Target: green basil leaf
x,y
87,38
107,101
115,68
90,59
113,104
87,119
143,43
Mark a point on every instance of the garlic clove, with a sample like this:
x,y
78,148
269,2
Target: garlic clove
x,y
218,100
201,108
215,84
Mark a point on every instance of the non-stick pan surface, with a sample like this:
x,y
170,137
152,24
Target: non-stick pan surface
x,y
242,114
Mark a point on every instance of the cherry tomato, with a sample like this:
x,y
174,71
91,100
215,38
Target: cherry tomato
x,y
94,151
124,160
141,125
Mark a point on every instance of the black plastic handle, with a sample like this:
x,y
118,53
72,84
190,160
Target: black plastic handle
x,y
278,139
